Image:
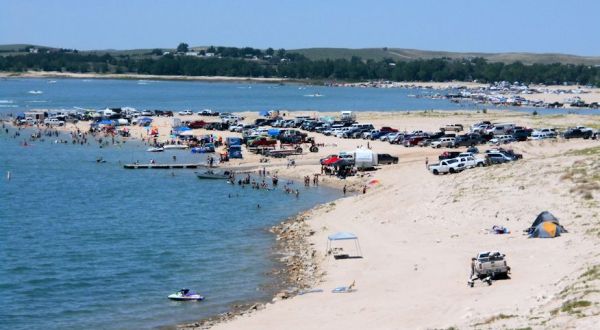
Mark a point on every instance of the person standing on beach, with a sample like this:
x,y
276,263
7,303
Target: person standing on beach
x,y
344,190
472,268
426,162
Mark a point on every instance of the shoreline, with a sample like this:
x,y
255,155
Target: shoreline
x,y
133,76
299,270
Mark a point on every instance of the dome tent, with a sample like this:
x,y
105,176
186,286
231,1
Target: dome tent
x,y
545,225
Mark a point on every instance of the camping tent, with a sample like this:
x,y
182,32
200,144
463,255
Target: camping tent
x,y
546,225
365,158
343,236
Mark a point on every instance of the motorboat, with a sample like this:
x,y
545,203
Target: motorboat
x,y
185,295
210,174
156,149
175,146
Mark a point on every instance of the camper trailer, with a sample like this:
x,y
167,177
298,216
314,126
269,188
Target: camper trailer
x,y
364,159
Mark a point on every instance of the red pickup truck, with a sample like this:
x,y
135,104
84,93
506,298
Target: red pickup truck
x,y
387,129
263,141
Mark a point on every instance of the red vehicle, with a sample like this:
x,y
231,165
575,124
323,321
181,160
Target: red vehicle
x,y
413,141
263,141
197,124
386,129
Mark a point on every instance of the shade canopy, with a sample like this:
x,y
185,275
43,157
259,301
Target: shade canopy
x,y
341,236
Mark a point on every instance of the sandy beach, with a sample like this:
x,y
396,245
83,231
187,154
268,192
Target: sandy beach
x,y
418,233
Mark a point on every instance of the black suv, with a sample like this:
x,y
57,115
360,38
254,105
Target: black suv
x,y
386,159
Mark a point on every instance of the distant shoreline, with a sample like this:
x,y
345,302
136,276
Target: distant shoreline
x,y
133,76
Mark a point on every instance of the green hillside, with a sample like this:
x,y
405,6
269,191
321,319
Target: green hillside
x,y
401,54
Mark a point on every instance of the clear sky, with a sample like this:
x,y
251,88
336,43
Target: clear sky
x,y
568,26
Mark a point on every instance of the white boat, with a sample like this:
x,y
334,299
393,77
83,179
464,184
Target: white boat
x,y
156,149
175,146
210,174
185,295
35,92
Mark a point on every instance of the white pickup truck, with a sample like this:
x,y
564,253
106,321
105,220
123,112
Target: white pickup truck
x,y
447,166
53,122
491,264
471,161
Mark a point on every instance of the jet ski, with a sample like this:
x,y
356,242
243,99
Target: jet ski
x,y
185,295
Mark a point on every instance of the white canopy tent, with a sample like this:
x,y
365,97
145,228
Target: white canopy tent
x,y
344,236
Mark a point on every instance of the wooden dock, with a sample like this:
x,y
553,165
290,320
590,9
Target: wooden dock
x,y
163,166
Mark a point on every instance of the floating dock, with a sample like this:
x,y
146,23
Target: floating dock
x,y
163,166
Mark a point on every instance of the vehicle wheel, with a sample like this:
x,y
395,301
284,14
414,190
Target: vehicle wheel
x,y
452,171
314,149
299,150
435,172
438,146
479,164
395,162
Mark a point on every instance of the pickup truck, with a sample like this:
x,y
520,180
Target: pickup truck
x,y
452,127
577,133
491,264
447,166
471,161
53,122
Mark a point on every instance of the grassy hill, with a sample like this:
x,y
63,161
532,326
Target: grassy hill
x,y
401,54
397,54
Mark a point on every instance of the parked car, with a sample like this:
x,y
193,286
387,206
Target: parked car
x,y
471,161
502,139
262,141
386,159
577,133
186,113
452,127
497,157
197,124
468,140
54,122
447,166
491,264
449,155
522,134
445,142
413,141
387,129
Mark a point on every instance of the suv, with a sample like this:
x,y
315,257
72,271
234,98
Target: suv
x,y
448,142
498,157
386,159
468,140
577,133
502,139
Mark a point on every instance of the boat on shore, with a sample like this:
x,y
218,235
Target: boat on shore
x,y
210,174
175,146
156,149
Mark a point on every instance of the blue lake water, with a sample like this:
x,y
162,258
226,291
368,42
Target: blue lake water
x,y
87,245
220,96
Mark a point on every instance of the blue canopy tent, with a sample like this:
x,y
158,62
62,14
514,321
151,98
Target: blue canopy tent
x,y
264,113
145,119
343,236
106,122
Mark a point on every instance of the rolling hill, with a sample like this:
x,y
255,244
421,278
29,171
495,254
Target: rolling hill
x,y
397,54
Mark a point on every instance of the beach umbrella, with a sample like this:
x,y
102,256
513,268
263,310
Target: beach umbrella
x,y
331,160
